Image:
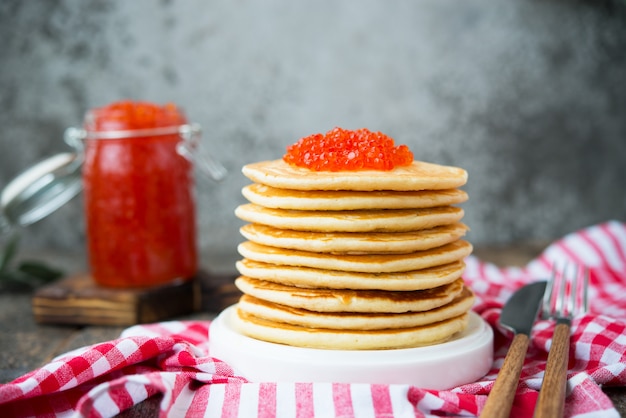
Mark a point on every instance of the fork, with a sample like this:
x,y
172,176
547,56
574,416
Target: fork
x,y
571,300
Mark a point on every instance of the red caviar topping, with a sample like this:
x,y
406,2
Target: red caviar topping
x,y
346,150
127,115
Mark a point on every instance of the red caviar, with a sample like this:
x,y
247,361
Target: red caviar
x,y
128,114
139,200
348,150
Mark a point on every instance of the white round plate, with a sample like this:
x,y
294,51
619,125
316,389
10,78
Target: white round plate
x,y
464,359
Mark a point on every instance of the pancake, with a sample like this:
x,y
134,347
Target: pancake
x,y
348,339
366,263
417,176
354,321
336,279
354,242
344,300
376,220
271,197
352,260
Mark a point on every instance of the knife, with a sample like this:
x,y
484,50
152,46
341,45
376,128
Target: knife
x,y
518,315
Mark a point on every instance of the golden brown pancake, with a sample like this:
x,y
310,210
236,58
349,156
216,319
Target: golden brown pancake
x,y
367,263
376,220
417,176
336,279
354,242
271,197
354,321
322,338
352,260
345,300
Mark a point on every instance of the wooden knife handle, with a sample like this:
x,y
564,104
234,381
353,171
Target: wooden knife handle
x,y
552,395
500,400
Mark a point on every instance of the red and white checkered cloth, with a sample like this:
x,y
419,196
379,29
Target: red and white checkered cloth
x,y
172,358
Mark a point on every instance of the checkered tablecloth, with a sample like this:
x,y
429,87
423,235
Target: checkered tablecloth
x,y
172,358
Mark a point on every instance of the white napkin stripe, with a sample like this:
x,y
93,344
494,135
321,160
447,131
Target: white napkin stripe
x,y
618,235
362,402
101,366
248,401
103,402
401,407
610,356
581,250
215,403
285,399
608,251
135,386
323,403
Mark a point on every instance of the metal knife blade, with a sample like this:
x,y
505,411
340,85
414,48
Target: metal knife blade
x,y
521,310
518,315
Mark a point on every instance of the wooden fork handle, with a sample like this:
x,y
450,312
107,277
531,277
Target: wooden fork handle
x,y
500,400
552,394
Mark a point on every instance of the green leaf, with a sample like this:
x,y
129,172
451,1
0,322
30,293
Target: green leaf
x,y
14,280
28,274
39,270
9,252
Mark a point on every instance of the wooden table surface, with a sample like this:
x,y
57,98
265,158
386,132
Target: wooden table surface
x,y
26,345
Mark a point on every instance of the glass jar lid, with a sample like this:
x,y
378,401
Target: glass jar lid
x,y
40,190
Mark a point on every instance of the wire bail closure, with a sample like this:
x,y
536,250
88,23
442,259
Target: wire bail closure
x,y
189,147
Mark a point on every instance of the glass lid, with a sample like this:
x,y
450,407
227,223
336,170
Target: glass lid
x,y
40,190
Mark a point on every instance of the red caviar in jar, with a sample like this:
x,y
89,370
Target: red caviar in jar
x,y
128,115
348,150
139,203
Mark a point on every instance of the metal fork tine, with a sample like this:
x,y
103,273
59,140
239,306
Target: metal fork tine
x,y
573,296
560,300
546,310
574,280
585,303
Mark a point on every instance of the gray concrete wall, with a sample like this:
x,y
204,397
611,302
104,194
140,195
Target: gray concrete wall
x,y
528,96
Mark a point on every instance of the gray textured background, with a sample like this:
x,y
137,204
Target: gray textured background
x,y
528,96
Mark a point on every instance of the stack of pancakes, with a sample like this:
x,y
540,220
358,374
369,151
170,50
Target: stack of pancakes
x,y
352,260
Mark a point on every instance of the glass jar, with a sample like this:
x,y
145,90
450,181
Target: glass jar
x,y
135,162
139,194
